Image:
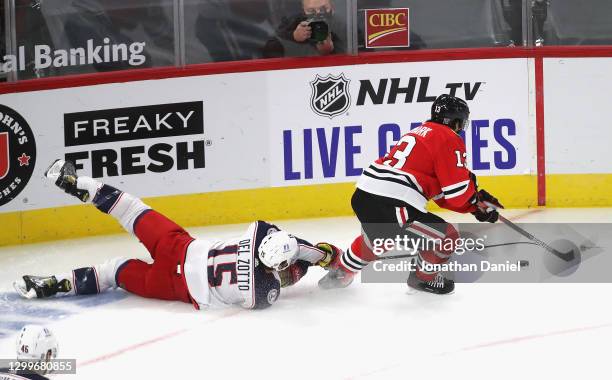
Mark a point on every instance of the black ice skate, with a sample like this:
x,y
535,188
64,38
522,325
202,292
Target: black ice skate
x,y
41,287
64,175
439,285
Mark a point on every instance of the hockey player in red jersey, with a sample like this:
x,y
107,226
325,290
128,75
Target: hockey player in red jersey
x,y
427,163
248,271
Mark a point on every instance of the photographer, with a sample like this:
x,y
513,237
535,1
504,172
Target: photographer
x,y
311,28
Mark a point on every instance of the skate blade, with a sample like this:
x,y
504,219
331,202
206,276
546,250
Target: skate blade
x,y
54,170
412,291
21,289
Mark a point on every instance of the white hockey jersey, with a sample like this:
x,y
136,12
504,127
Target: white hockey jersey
x,y
229,272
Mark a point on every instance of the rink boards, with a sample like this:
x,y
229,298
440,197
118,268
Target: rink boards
x,y
234,147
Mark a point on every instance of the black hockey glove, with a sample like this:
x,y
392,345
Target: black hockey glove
x,y
485,213
486,216
484,196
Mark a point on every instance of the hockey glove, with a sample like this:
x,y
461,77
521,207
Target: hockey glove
x,y
485,213
486,216
331,252
484,196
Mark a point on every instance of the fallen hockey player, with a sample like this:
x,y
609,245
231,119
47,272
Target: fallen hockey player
x,y
248,271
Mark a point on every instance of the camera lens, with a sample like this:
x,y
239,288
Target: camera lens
x,y
320,30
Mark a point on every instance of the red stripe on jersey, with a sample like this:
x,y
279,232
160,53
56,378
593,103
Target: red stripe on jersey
x,y
402,212
116,203
97,282
426,232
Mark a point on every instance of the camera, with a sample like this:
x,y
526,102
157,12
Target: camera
x,y
319,27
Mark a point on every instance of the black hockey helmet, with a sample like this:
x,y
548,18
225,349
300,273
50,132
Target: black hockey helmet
x,y
450,111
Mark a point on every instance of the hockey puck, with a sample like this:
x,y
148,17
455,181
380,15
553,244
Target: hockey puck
x,y
565,258
523,263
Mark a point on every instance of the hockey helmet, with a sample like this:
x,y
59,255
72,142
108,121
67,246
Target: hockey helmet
x,y
450,111
277,250
36,342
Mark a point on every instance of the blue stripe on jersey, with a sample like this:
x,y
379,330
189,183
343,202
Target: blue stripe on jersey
x,y
223,251
215,272
85,281
106,198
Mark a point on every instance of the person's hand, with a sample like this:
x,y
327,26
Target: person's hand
x,y
489,215
327,46
302,32
487,206
484,196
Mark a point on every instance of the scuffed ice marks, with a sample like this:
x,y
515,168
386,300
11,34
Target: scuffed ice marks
x,y
16,312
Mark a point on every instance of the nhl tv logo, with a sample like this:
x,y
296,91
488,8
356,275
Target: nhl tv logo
x,y
330,95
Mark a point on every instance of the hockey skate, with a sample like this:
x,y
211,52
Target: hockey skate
x,y
41,287
336,278
63,173
439,285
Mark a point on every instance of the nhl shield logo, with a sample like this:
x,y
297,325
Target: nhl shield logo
x,y
330,95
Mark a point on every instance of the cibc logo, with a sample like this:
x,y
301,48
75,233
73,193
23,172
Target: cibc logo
x,y
387,28
17,154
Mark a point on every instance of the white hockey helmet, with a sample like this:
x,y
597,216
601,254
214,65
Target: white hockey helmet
x,y
37,343
277,250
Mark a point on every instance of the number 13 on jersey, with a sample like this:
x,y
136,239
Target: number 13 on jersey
x,y
402,150
398,155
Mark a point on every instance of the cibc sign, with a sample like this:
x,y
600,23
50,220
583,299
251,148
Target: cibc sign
x,y
387,28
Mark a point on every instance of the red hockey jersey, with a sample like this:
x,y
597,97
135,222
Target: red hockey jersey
x,y
426,163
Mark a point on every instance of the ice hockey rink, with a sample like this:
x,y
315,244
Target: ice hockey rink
x,y
366,331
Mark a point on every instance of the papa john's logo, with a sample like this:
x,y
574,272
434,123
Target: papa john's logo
x,y
330,95
17,154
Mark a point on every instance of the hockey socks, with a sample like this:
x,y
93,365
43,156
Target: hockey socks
x,y
124,207
358,256
81,281
96,279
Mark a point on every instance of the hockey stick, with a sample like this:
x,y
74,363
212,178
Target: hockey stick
x,y
485,247
568,256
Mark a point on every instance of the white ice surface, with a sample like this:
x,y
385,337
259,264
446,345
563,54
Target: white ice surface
x,y
367,331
